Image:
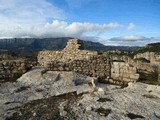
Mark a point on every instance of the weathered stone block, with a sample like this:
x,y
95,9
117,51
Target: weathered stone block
x,y
134,76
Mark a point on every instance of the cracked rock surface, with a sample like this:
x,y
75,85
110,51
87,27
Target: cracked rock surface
x,y
41,95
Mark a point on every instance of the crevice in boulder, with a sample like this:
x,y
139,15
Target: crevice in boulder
x,y
104,100
103,112
134,116
23,88
150,96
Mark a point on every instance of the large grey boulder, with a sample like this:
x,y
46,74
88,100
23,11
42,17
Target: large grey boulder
x,y
38,84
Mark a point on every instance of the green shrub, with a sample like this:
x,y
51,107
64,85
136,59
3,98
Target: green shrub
x,y
153,76
149,49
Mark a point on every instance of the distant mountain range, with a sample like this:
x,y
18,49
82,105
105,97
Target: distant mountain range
x,y
29,45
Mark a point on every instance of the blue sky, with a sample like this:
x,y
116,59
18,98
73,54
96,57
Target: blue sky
x,y
111,22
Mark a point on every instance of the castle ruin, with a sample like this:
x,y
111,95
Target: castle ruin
x,y
86,62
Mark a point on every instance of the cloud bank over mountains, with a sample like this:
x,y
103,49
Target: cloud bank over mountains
x,y
131,40
31,18
40,18
56,29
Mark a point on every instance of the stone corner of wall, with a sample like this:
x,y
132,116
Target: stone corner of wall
x,y
124,72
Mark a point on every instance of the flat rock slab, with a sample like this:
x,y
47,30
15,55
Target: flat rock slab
x,y
39,84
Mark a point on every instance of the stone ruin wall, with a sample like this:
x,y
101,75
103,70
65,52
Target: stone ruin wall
x,y
5,56
71,52
73,58
86,62
124,71
10,70
144,69
137,63
96,66
153,66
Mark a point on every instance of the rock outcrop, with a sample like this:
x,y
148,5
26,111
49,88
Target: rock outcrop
x,y
23,99
38,84
153,57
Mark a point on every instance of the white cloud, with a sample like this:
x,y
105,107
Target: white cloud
x,y
131,26
28,11
56,29
21,18
133,37
129,38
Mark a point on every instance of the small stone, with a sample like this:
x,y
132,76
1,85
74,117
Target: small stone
x,y
34,114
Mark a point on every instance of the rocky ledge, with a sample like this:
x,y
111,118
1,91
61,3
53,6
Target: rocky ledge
x,y
40,95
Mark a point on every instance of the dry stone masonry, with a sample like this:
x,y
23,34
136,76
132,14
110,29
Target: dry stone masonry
x,y
148,70
96,66
5,56
73,58
70,53
10,70
122,71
